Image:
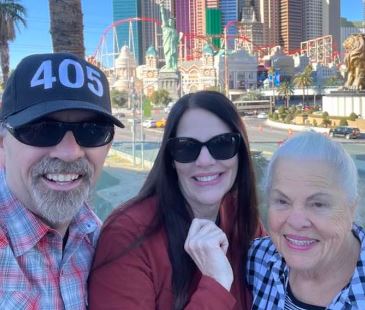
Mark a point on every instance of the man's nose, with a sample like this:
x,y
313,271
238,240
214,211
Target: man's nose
x,y
68,149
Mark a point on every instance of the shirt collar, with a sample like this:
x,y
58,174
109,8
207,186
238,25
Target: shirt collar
x,y
25,230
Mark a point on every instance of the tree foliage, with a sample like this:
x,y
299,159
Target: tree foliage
x,y
12,15
160,97
251,95
285,90
119,98
353,116
304,80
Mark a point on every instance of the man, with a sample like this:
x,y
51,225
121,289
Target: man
x,y
56,130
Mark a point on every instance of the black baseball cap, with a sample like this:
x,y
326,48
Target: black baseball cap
x,y
46,83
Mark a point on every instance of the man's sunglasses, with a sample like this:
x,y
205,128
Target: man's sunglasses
x,y
49,133
187,150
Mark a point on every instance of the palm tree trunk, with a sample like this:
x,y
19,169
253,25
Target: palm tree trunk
x,y
4,59
67,26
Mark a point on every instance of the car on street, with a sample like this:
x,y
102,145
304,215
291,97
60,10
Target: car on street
x,y
346,132
161,123
149,123
262,115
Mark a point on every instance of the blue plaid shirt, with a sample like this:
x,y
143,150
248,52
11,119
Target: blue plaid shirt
x,y
35,271
268,275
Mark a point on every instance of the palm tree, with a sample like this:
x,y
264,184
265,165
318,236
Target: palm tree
x,y
304,79
271,72
286,90
12,14
67,29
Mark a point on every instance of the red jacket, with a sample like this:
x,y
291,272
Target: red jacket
x,y
141,279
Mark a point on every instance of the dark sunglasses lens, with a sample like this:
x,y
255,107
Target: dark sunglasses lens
x,y
224,146
48,133
40,134
93,134
184,150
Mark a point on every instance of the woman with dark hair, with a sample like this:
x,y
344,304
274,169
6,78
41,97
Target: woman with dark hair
x,y
182,242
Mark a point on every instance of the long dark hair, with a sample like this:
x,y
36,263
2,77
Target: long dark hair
x,y
172,212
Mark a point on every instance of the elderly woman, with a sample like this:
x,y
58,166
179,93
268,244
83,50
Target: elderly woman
x,y
315,257
182,242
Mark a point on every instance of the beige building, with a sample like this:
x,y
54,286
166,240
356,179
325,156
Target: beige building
x,y
198,74
148,73
241,67
125,70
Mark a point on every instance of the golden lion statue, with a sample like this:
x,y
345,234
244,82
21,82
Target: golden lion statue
x,y
355,61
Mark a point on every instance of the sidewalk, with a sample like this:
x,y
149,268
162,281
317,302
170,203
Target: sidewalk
x,y
119,182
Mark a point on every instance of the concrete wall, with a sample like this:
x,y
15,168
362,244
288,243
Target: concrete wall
x,y
344,105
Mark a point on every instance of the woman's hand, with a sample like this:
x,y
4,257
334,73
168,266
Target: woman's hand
x,y
207,245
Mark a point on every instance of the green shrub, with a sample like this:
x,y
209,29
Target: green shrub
x,y
281,110
325,115
315,124
119,98
326,122
289,117
293,110
343,121
353,116
275,116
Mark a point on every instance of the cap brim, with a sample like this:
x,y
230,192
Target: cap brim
x,y
44,108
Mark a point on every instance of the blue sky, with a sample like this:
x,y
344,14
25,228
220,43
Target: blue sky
x,y
37,39
97,16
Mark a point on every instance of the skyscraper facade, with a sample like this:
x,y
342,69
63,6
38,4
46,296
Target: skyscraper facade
x,y
183,24
213,24
269,17
123,9
312,19
198,25
229,9
144,34
213,4
332,21
291,26
151,32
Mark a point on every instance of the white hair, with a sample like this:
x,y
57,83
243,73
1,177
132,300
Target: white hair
x,y
316,146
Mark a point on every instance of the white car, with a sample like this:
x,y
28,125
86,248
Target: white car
x,y
150,123
262,115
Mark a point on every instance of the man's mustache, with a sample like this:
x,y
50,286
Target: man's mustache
x,y
58,166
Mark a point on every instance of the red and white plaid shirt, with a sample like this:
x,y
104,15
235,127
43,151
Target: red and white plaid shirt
x,y
35,271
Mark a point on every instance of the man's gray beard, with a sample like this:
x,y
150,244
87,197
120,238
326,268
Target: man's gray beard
x,y
58,207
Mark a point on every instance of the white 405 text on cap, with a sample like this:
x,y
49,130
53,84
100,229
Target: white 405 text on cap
x,y
43,76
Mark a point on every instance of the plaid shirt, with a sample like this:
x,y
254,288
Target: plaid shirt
x,y
268,276
35,271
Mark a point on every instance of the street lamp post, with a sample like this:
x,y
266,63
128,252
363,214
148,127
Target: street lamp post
x,y
226,87
226,74
133,104
142,133
134,131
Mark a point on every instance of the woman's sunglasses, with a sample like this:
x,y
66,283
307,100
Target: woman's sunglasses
x,y
49,133
187,150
